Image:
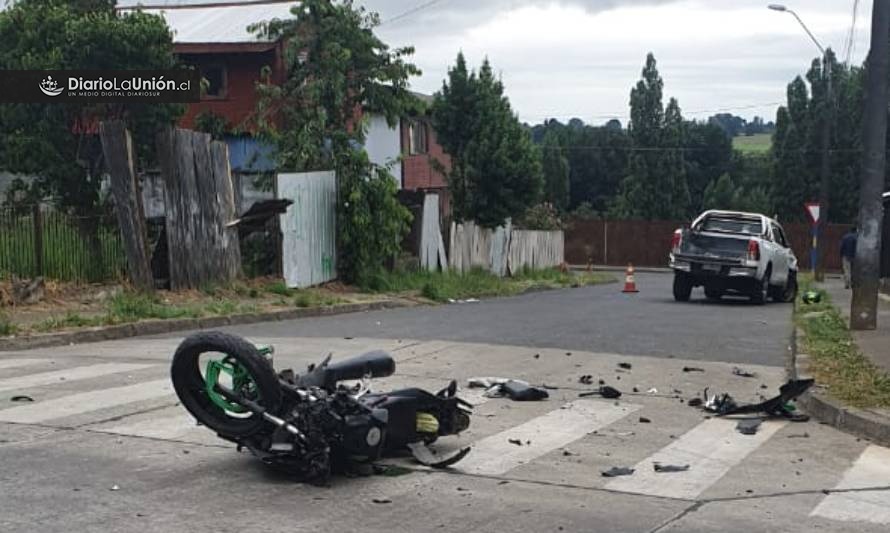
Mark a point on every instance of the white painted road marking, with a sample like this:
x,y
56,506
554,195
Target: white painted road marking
x,y
15,363
494,455
170,427
71,374
871,469
86,402
710,449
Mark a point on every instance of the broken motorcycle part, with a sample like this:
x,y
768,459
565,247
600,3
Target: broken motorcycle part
x,y
21,398
748,426
736,371
692,369
427,457
617,471
778,406
610,393
522,392
666,469
311,425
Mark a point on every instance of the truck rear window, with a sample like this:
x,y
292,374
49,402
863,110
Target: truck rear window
x,y
744,226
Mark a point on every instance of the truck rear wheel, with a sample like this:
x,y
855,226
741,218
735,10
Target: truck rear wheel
x,y
682,287
761,291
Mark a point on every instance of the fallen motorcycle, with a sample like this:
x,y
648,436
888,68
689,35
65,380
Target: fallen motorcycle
x,y
311,424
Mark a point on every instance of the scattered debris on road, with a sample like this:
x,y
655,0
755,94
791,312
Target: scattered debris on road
x,y
667,469
21,398
719,403
695,402
568,453
803,435
381,500
780,406
736,371
749,426
692,369
427,457
516,390
586,379
644,420
610,393
617,471
115,488
653,390
625,366
517,442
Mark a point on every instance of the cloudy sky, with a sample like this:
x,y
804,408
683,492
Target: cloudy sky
x,y
579,58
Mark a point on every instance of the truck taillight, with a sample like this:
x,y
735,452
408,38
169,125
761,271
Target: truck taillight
x,y
753,251
676,240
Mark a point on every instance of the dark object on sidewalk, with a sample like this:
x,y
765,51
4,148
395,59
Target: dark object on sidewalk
x,y
517,442
812,297
692,369
427,457
616,471
667,469
695,402
586,379
748,426
21,398
381,500
605,391
736,371
520,392
803,435
644,420
626,366
778,406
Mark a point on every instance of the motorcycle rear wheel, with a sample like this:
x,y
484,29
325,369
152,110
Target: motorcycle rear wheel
x,y
250,373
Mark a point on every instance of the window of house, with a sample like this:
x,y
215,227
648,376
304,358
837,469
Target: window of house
x,y
214,84
417,138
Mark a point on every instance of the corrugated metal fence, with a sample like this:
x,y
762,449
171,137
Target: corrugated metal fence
x,y
646,243
309,228
504,249
39,241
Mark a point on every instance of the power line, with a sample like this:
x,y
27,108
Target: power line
x,y
242,3
411,11
850,43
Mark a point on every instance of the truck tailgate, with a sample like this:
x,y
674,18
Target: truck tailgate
x,y
704,245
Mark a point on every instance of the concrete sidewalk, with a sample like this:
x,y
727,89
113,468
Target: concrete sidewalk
x,y
874,344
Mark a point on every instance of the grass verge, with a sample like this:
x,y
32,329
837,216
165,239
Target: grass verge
x,y
445,286
835,360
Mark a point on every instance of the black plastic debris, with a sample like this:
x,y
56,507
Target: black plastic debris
x,y
644,420
692,369
516,442
617,471
636,389
537,356
427,457
381,500
626,366
719,403
586,379
803,435
610,393
736,371
748,426
21,398
520,392
778,406
695,402
667,469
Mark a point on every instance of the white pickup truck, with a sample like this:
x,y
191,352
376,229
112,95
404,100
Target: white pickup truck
x,y
729,252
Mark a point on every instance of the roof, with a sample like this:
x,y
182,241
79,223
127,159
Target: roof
x,y
220,24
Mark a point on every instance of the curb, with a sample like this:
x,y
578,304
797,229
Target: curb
x,y
859,422
156,327
604,268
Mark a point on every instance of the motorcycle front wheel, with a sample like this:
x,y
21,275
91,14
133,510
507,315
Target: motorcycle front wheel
x,y
206,359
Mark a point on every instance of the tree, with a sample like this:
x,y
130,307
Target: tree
x,y
496,170
556,172
37,139
707,155
655,186
720,194
335,66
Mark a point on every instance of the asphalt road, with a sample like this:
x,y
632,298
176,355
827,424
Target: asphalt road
x,y
596,319
105,445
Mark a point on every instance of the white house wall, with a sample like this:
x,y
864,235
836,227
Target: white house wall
x,y
384,145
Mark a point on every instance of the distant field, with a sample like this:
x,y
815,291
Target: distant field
x,y
755,143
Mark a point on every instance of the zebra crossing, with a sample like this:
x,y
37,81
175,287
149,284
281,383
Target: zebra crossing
x,y
505,441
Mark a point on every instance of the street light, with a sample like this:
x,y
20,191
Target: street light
x,y
818,271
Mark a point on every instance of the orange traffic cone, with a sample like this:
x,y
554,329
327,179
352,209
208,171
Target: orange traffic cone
x,y
630,285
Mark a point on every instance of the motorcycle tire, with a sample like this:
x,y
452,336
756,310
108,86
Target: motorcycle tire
x,y
191,387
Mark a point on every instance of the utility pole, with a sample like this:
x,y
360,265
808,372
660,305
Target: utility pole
x,y
866,266
818,255
825,186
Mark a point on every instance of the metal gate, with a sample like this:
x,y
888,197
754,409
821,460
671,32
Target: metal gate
x,y
309,228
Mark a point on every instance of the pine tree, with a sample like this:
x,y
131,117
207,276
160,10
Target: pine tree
x,y
496,171
556,172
